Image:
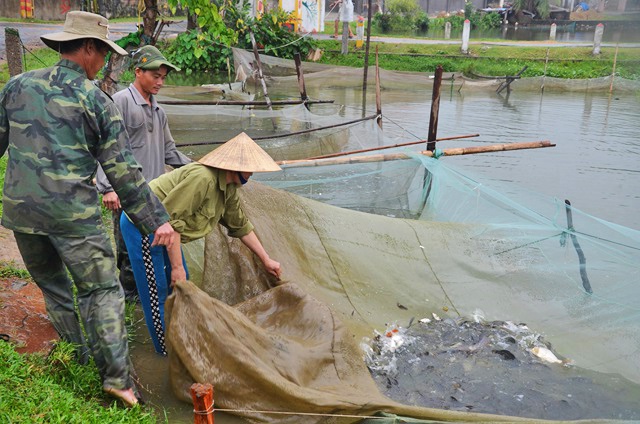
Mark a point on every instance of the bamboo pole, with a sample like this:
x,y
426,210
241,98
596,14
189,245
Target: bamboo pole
x,y
435,110
238,102
378,95
355,121
202,397
411,143
260,75
613,72
400,156
544,75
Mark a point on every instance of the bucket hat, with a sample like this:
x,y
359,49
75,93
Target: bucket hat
x,y
241,154
149,57
79,25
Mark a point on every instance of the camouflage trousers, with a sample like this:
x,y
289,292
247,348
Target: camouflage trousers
x,y
90,261
127,280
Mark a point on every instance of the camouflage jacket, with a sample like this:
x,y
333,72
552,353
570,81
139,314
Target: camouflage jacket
x,y
57,125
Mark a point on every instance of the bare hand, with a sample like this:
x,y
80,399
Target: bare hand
x,y
163,235
111,201
273,267
178,274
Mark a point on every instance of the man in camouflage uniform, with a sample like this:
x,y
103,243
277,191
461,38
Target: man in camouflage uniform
x,y
57,126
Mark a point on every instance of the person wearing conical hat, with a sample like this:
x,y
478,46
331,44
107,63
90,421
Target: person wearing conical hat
x,y
57,126
197,196
150,139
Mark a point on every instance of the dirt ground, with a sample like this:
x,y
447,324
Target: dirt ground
x,y
23,318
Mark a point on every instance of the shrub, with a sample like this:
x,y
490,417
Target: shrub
x,y
422,22
382,21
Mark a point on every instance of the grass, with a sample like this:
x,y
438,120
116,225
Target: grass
x,y
53,389
11,270
56,389
574,62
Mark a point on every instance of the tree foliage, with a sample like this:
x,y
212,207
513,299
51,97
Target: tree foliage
x,y
221,26
539,7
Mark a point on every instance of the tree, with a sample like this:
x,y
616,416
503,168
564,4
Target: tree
x,y
539,7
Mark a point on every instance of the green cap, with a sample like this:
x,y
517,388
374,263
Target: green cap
x,y
149,57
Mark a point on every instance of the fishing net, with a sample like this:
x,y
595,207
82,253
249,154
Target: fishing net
x,y
398,271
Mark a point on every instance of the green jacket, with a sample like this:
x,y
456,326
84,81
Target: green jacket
x,y
197,198
57,125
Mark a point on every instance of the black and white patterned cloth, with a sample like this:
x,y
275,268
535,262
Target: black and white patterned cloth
x,y
153,293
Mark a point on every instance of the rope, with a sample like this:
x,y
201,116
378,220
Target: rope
x,y
208,411
313,414
25,49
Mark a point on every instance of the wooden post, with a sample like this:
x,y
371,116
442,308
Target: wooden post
x,y
366,51
435,110
13,47
378,95
508,80
202,397
301,86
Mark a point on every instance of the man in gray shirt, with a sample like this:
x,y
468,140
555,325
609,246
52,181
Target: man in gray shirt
x,y
150,139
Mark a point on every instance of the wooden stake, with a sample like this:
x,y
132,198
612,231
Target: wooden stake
x,y
202,396
400,156
435,110
366,51
378,96
301,87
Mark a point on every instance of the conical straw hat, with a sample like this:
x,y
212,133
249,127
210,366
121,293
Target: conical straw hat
x,y
242,154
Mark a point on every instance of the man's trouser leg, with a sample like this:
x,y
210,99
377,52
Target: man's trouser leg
x,y
91,263
123,263
50,274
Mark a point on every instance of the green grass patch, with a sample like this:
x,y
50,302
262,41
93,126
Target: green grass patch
x,y
483,59
11,269
55,389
